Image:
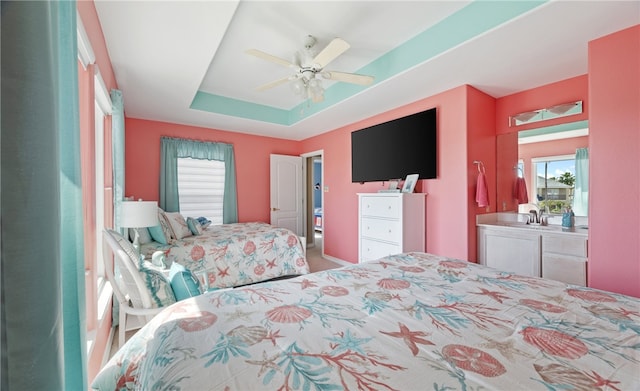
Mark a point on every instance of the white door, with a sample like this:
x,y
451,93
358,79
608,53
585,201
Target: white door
x,y
286,193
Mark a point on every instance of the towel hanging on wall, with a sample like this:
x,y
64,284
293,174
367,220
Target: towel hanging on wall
x,y
520,191
482,191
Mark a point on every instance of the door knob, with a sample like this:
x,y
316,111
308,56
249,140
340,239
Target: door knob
x,y
274,209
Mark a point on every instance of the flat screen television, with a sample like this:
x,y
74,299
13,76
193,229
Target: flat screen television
x,y
395,149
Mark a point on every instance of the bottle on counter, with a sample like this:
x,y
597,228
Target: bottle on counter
x,y
568,218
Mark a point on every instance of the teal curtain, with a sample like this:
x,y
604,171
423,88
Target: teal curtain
x,y
117,151
172,148
581,192
42,320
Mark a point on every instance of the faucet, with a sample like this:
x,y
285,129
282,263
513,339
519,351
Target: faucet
x,y
536,216
542,219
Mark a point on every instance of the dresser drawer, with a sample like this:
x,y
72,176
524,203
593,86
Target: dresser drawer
x,y
387,230
372,250
563,244
387,207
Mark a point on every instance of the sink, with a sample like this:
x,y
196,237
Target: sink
x,y
542,227
516,224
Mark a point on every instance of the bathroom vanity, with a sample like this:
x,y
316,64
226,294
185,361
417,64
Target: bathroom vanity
x,y
507,242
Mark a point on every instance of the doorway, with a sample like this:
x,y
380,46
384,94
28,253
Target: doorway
x,y
315,203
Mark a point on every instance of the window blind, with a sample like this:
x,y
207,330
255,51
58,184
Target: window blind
x,y
201,188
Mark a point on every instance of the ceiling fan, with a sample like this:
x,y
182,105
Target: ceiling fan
x,y
309,69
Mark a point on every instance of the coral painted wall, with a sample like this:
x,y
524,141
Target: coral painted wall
x,y
569,90
449,218
614,169
142,162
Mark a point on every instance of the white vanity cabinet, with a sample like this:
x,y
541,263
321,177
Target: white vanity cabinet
x,y
557,255
511,250
564,258
390,223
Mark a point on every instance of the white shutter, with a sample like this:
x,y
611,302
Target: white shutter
x,y
201,188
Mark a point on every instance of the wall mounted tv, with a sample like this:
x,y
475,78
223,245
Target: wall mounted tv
x,y
395,149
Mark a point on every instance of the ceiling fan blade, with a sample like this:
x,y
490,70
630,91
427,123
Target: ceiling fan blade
x,y
353,78
273,84
331,52
269,57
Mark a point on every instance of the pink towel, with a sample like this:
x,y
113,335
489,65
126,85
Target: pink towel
x,y
482,192
520,191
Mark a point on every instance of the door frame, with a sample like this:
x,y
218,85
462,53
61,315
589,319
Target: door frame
x,y
308,188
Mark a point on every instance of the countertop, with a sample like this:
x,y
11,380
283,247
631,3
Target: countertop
x,y
518,221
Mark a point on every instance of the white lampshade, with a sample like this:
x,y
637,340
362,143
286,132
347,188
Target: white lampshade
x,y
138,214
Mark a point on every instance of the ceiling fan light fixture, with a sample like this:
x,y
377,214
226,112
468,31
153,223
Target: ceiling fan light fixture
x,y
307,80
298,87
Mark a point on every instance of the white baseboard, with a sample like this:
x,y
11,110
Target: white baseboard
x,y
337,260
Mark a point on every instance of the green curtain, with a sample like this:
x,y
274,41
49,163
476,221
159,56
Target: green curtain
x,y
42,320
172,148
581,190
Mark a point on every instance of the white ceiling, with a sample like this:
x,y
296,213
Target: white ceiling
x,y
184,62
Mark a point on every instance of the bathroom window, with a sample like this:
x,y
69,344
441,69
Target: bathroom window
x,y
554,179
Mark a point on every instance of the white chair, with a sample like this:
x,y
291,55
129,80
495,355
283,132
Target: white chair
x,y
136,303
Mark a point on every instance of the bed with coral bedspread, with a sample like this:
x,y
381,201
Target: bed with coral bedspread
x,y
406,322
236,254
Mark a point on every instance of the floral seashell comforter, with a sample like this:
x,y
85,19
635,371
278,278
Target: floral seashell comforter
x,y
237,254
411,321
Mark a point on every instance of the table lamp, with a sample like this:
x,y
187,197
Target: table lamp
x,y
139,214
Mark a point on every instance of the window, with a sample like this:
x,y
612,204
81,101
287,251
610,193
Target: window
x,y
554,179
201,188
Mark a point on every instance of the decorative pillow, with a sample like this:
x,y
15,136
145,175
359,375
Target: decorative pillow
x,y
178,225
144,236
204,222
162,233
157,284
194,226
183,282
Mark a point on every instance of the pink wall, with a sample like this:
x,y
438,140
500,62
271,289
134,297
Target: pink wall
x,y
614,143
481,146
548,148
449,212
564,91
142,162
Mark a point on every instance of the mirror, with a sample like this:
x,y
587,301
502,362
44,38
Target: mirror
x,y
545,159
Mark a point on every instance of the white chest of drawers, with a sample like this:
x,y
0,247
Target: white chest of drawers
x,y
390,223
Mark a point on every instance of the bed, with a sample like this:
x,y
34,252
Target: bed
x,y
412,321
228,255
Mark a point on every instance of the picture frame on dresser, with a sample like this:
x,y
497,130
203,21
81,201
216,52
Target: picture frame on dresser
x,y
410,183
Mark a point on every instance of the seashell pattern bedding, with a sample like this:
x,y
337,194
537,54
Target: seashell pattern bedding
x,y
411,321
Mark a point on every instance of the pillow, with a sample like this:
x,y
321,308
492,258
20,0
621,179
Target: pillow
x,y
157,284
178,224
144,236
162,233
183,282
194,226
204,222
